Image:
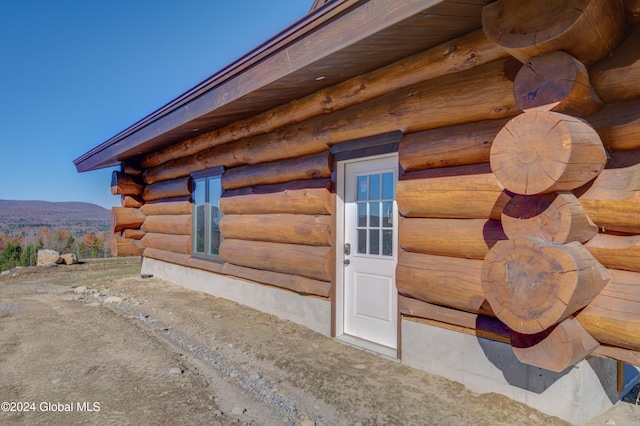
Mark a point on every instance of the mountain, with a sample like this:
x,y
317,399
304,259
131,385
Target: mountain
x,y
17,216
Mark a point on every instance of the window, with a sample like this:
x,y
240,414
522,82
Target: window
x,y
206,214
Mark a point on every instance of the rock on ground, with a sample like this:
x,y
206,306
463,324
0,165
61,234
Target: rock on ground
x,y
47,256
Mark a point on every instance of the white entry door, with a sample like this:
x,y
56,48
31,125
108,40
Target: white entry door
x,y
370,250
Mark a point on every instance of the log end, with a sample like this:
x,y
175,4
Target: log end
x,y
540,152
532,285
556,82
528,29
557,218
556,348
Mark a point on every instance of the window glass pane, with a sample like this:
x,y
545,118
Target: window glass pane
x,y
362,188
198,192
362,214
387,214
362,241
374,241
374,214
215,191
199,212
374,187
387,242
216,238
387,186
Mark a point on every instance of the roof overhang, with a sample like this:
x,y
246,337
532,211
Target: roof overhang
x,y
338,41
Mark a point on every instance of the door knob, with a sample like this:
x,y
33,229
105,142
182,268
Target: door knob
x,y
346,262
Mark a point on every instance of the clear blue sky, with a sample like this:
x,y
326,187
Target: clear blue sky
x,y
73,73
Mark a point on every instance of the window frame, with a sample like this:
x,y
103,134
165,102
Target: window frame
x,y
206,175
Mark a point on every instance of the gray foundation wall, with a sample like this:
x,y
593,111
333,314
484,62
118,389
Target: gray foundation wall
x,y
311,312
577,394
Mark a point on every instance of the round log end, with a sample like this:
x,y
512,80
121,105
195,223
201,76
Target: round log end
x,y
556,348
587,29
540,152
532,285
555,82
556,218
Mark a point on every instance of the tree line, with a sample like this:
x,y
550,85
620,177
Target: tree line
x,y
22,250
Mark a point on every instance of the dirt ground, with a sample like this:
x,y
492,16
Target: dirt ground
x,y
95,343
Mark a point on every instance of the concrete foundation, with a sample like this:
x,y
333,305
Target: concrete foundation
x,y
311,312
577,394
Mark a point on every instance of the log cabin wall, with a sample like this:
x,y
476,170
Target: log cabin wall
x,y
277,202
465,218
451,102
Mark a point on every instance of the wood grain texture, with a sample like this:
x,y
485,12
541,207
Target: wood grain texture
x,y
310,167
453,319
442,280
612,200
557,218
168,224
135,234
279,228
131,201
125,218
181,187
617,78
458,145
556,82
124,184
618,125
293,259
295,283
181,244
616,252
122,246
540,152
555,349
466,238
309,197
167,207
532,285
612,317
456,55
435,103
445,193
587,29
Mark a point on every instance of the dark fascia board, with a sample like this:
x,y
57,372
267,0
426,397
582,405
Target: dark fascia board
x,y
311,31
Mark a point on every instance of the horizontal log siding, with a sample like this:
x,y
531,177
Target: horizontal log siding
x,y
310,197
431,104
462,192
279,228
169,224
181,244
462,53
315,166
295,283
294,259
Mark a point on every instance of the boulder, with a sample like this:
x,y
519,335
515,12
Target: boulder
x,y
69,258
47,256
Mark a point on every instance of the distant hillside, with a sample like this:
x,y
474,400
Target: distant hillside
x,y
17,216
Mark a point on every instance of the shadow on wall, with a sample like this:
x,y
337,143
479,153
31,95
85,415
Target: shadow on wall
x,y
538,380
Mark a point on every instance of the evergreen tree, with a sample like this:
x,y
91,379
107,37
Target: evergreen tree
x,y
11,255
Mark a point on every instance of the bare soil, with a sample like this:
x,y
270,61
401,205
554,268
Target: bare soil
x,y
95,343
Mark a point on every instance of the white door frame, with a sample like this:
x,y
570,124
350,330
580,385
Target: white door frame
x,y
340,271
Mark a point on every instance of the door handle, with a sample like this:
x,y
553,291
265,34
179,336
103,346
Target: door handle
x,y
346,262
